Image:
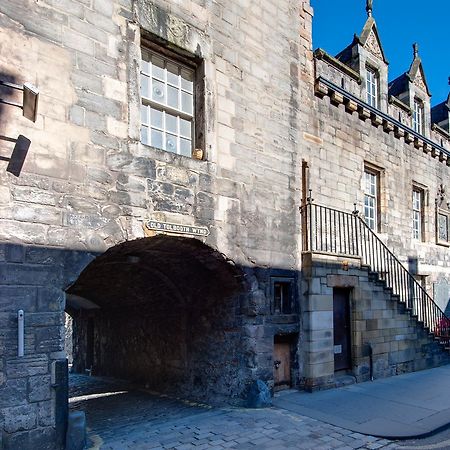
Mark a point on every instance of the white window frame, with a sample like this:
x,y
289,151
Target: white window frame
x,y
183,134
417,210
371,198
418,114
372,87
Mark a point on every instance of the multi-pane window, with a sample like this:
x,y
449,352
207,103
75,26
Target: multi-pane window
x,y
372,87
417,219
418,116
167,109
371,199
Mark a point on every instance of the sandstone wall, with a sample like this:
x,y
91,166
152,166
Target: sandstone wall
x,y
88,183
344,140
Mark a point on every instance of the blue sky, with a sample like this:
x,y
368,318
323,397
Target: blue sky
x,y
400,23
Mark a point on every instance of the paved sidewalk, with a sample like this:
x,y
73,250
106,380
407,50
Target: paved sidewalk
x,y
405,406
121,417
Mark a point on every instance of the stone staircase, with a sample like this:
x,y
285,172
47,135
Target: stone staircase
x,y
426,331
333,232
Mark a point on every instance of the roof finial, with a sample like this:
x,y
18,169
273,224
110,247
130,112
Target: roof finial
x,y
416,49
369,7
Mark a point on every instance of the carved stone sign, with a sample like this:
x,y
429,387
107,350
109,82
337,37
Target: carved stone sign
x,y
168,227
441,291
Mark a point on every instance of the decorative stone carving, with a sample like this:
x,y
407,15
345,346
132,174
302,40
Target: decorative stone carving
x,y
442,217
373,46
162,23
419,82
441,196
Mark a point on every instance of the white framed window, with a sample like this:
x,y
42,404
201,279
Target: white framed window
x,y
167,103
417,219
372,87
371,200
417,121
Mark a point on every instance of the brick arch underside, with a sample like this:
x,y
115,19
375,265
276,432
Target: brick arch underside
x,y
162,312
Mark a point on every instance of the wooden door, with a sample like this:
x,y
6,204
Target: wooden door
x,y
341,324
282,365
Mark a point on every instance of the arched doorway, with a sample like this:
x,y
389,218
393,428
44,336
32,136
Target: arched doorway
x,y
163,312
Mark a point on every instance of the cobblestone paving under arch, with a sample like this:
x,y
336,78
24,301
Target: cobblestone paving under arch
x,y
122,417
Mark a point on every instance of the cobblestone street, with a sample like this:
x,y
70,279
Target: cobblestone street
x,y
121,417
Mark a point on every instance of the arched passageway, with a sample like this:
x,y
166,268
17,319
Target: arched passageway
x,y
164,312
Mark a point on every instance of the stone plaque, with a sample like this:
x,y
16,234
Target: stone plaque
x,y
168,227
441,293
443,227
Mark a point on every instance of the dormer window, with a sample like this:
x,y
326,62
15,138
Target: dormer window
x,y
372,87
418,116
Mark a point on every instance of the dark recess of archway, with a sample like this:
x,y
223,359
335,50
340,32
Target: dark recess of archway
x,y
162,311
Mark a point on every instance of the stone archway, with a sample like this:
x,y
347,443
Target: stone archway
x,y
161,311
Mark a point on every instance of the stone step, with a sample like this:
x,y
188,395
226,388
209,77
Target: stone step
x,y
344,380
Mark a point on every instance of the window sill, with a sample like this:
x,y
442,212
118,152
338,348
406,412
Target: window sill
x,y
279,318
169,156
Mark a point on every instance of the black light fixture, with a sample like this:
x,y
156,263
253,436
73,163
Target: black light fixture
x,y
18,155
29,109
30,100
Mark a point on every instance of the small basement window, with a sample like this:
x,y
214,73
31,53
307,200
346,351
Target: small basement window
x,y
282,296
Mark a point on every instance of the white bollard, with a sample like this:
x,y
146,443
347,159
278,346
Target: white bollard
x,y
20,334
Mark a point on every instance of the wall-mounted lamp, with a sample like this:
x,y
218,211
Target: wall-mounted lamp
x,y
18,155
30,100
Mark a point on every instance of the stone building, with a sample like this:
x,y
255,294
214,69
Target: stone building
x,y
165,203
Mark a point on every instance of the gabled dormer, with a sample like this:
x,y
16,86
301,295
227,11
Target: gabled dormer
x,y
411,88
440,115
365,55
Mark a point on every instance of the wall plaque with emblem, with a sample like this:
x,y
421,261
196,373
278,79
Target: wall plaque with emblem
x,y
168,227
442,217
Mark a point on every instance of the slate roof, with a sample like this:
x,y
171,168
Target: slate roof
x,y
346,55
440,111
399,85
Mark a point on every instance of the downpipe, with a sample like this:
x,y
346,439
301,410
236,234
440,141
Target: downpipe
x,y
370,350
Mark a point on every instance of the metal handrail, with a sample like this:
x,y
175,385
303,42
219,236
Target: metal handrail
x,y
328,230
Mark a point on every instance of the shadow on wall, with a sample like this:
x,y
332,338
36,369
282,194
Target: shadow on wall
x,y
32,279
170,313
15,154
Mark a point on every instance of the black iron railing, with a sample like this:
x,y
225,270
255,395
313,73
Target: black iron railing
x,y
328,230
